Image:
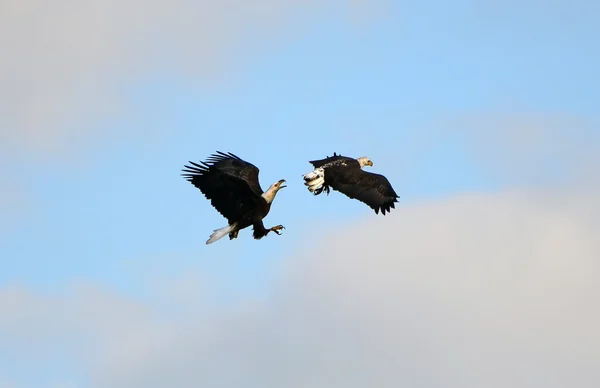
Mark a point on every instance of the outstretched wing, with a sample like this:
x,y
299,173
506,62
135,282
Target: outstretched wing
x,y
335,160
233,165
230,183
372,189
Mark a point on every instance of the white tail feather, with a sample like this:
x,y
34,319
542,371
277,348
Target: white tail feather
x,y
314,179
220,233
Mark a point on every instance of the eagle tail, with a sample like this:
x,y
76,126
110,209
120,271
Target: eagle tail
x,y
315,180
220,233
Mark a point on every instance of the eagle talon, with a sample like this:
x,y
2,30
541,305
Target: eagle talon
x,y
277,229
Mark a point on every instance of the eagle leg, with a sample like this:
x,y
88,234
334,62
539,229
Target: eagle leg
x,y
233,234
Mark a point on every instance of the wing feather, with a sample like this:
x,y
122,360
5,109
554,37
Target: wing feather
x,y
372,189
230,183
233,165
335,160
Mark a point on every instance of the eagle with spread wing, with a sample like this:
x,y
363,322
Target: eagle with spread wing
x,y
346,175
231,184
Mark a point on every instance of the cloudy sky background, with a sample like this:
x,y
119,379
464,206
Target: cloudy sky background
x,y
483,115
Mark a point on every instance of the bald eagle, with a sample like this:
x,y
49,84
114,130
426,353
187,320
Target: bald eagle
x,y
346,175
231,184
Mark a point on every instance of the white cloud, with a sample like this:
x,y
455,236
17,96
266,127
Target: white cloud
x,y
533,147
64,64
479,290
517,147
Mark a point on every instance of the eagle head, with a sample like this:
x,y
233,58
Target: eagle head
x,y
364,161
269,195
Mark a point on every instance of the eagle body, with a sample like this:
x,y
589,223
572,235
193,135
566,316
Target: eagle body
x,y
231,184
346,175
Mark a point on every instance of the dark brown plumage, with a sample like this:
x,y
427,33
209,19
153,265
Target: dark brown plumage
x,y
231,184
346,175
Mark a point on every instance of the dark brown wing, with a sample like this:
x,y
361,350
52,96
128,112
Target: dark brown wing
x,y
233,165
230,183
334,160
372,189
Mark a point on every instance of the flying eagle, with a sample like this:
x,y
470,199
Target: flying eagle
x,y
346,175
231,184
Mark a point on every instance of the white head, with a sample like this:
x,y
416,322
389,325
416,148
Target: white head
x,y
269,195
364,161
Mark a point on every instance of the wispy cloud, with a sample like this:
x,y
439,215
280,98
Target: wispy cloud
x,y
65,64
517,147
532,147
477,290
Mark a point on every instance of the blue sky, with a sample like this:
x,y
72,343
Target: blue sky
x,y
110,208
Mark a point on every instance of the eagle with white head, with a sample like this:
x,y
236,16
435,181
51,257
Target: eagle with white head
x,y
346,175
231,184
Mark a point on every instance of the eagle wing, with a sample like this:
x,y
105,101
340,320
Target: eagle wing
x,y
372,189
234,166
334,160
230,183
